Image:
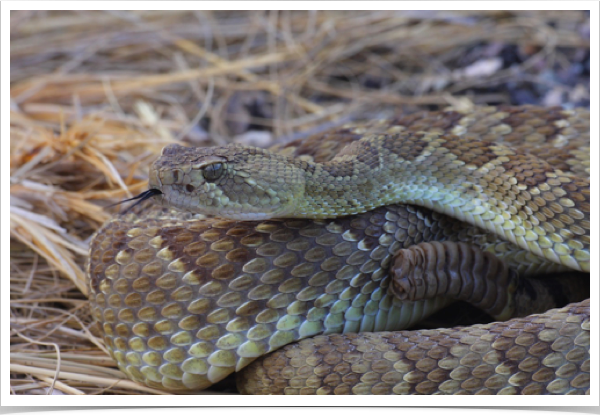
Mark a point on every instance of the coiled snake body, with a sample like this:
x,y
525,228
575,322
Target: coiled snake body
x,y
184,301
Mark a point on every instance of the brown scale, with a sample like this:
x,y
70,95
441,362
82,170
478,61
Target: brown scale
x,y
319,147
539,120
442,121
409,149
477,153
543,354
534,131
165,289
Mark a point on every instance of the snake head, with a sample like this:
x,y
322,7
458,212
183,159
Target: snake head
x,y
233,182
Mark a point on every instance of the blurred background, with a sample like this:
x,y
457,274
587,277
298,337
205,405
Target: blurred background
x,y
95,95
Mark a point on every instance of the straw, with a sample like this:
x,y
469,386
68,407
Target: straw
x,y
95,95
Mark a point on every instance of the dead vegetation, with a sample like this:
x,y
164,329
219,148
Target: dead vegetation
x,y
95,95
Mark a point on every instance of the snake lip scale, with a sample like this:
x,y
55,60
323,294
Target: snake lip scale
x,y
369,227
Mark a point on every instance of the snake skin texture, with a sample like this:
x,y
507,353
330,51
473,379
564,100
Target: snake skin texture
x,y
514,194
184,301
539,354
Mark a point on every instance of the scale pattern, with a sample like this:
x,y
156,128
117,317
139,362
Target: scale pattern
x,y
183,301
540,354
515,194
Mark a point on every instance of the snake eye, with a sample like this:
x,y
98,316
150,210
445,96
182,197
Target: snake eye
x,y
213,171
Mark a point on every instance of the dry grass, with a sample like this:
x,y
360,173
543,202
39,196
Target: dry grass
x,y
95,96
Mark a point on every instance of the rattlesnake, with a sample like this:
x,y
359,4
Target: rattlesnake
x,y
185,301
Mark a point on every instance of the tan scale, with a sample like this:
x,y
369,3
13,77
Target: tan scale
x,y
514,194
184,302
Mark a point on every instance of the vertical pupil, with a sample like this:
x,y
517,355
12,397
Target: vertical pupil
x,y
213,171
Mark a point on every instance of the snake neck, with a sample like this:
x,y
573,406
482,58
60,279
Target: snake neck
x,y
383,170
327,194
516,196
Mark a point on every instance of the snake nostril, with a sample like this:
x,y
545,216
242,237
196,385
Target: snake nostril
x,y
189,188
